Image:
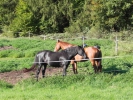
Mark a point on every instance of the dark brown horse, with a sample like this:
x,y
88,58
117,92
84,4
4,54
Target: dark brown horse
x,y
56,59
93,53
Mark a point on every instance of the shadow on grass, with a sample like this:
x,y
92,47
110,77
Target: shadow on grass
x,y
114,70
4,84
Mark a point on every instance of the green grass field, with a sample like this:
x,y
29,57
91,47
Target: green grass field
x,y
114,83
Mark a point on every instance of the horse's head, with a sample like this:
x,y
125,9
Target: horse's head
x,y
57,46
81,51
62,45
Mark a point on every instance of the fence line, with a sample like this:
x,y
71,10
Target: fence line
x,y
125,41
108,57
117,44
80,37
116,40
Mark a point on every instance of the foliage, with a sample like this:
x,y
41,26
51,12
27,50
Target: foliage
x,y
7,10
117,14
50,16
7,15
23,18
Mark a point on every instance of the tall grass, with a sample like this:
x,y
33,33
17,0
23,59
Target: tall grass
x,y
15,64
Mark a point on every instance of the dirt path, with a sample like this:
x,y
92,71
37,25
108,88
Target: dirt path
x,y
14,77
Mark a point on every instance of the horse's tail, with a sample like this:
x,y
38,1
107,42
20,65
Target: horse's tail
x,y
99,61
33,66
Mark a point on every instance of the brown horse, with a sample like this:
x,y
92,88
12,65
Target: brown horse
x,y
93,53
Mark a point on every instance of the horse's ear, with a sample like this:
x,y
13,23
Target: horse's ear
x,y
80,46
58,40
84,45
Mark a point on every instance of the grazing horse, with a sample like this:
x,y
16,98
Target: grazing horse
x,y
56,59
93,53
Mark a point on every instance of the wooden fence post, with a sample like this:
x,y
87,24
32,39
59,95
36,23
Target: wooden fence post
x,y
29,35
83,39
116,45
44,37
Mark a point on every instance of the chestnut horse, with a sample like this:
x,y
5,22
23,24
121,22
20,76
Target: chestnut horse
x,y
93,53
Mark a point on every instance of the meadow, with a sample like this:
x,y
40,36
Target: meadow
x,y
114,83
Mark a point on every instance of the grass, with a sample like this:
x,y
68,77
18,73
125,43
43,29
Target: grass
x,y
15,64
114,83
93,87
24,47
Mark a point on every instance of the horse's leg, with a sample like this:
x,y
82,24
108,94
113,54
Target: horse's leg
x,y
43,70
64,70
99,66
74,65
38,71
94,65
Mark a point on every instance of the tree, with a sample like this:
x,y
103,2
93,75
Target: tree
x,y
50,16
114,14
7,10
55,15
22,21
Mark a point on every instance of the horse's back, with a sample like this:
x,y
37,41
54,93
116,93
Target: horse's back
x,y
55,57
93,52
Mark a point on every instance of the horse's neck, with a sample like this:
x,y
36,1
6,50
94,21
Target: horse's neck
x,y
65,46
86,49
71,53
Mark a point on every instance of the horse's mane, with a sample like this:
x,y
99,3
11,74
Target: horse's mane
x,y
43,51
64,42
59,41
70,48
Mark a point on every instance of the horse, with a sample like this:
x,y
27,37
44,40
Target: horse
x,y
93,53
56,59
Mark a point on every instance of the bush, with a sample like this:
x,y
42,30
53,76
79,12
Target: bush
x,y
4,53
30,53
18,55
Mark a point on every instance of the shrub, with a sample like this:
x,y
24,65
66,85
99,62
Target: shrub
x,y
30,53
4,53
16,54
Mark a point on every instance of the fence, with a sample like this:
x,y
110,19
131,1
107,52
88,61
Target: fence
x,y
118,46
116,39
